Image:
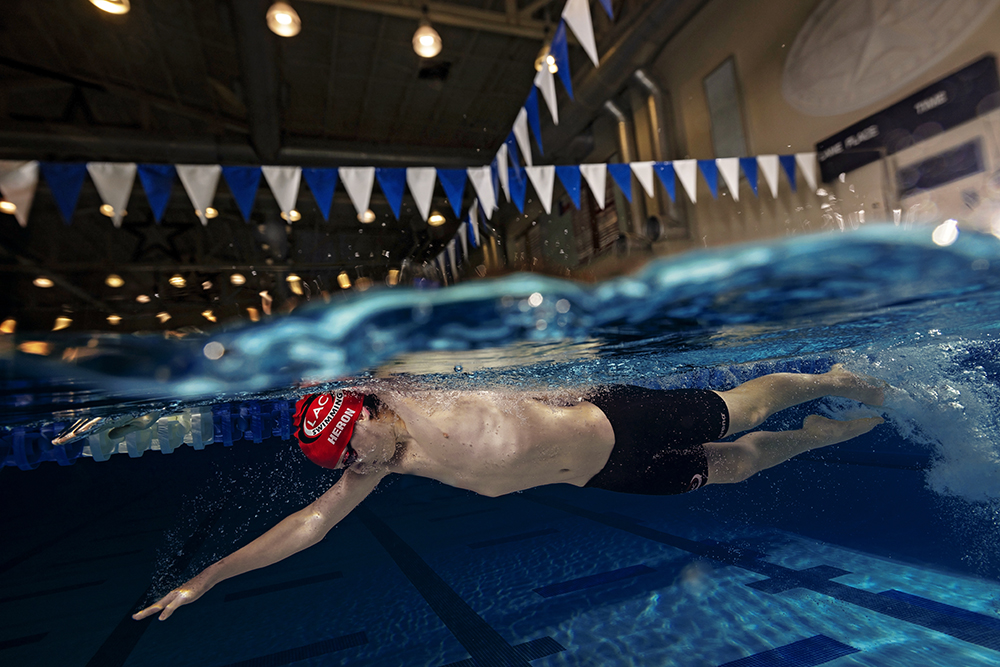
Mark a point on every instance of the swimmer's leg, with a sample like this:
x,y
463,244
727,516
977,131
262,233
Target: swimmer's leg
x,y
732,462
754,401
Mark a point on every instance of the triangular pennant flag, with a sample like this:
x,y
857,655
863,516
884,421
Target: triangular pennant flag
x,y
358,182
243,182
453,182
729,167
463,233
543,179
65,180
807,163
440,261
518,187
322,182
482,181
421,181
114,181
546,83
512,153
560,51
665,171
569,176
596,176
711,174
284,183
687,174
474,223
158,182
577,15
521,134
534,120
18,182
769,169
749,165
502,172
495,178
451,256
392,180
607,8
644,173
622,175
788,164
200,182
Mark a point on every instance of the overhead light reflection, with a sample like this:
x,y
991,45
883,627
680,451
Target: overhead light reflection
x,y
426,40
142,298
177,280
114,320
42,281
8,326
62,323
435,219
393,277
237,279
112,6
291,216
8,207
282,20
163,316
344,280
114,280
367,216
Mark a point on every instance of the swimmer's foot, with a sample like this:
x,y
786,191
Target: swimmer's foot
x,y
822,432
868,390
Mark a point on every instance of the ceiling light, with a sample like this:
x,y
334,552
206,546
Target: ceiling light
x,y
207,284
393,277
367,216
254,314
208,315
114,320
292,278
211,212
8,207
344,280
177,280
436,219
426,40
163,316
8,326
42,281
142,298
543,57
291,216
282,20
107,209
112,6
35,347
237,279
114,280
62,323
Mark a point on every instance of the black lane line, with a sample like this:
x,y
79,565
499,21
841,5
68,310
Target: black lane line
x,y
285,585
51,591
803,653
814,579
305,652
533,650
22,641
511,538
484,644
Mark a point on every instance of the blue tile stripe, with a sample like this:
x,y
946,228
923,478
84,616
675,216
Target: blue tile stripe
x,y
781,583
803,653
283,586
512,538
957,612
51,591
305,652
484,644
592,580
903,610
22,641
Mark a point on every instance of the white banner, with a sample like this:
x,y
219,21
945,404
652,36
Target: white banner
x,y
284,183
421,182
769,170
18,182
644,174
502,169
687,174
577,15
596,176
113,181
543,179
521,135
482,181
200,182
545,82
358,181
807,163
729,167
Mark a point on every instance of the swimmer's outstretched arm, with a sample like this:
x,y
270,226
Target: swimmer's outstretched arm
x,y
296,532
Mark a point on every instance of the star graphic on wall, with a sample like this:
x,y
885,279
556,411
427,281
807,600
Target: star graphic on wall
x,y
156,242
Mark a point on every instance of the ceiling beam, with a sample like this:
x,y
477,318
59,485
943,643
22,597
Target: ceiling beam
x,y
258,57
446,13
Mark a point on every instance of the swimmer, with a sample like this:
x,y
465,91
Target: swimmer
x,y
623,438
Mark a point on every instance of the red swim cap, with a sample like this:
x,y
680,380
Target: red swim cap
x,y
323,425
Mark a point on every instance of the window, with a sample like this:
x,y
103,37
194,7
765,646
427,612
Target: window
x,y
725,111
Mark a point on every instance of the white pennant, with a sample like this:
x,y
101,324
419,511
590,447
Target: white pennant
x,y
644,173
200,182
521,135
596,176
454,264
546,83
18,182
769,169
358,182
482,181
807,163
440,261
543,179
463,234
474,221
729,167
421,182
502,170
577,15
113,181
284,184
687,174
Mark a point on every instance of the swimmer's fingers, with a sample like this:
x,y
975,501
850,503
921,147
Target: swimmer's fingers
x,y
167,605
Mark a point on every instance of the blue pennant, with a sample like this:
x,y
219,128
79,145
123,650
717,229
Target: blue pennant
x,y
569,176
157,181
665,172
243,183
531,106
470,231
393,182
560,51
518,186
513,156
495,173
607,7
453,182
65,180
710,171
622,173
322,182
749,165
788,162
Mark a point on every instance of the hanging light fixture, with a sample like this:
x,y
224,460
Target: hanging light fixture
x,y
367,217
114,280
435,219
112,6
237,279
114,320
393,277
344,280
426,40
42,281
142,298
163,316
291,216
282,20
546,59
8,207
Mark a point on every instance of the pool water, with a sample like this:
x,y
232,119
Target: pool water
x,y
879,551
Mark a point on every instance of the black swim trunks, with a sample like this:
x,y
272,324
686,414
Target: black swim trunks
x,y
660,438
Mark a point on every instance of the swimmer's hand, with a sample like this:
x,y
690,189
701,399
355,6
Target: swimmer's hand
x,y
182,595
